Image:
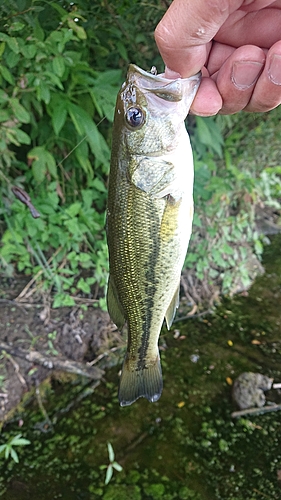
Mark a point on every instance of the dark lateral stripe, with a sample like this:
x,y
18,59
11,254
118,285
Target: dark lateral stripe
x,y
150,287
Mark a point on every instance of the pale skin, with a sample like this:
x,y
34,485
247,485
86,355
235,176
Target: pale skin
x,y
236,44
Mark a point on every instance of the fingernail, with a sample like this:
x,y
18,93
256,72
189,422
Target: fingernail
x,y
245,73
274,70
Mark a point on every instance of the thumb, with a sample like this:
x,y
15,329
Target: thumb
x,y
184,33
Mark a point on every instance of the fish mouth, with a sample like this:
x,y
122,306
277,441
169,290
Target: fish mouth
x,y
154,77
179,89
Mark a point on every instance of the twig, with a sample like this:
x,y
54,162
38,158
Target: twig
x,y
103,355
256,411
20,13
189,316
84,300
16,367
14,303
53,363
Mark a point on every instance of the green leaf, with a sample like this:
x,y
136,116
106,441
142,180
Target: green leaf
x,y
83,285
22,137
82,155
78,30
42,162
73,209
3,96
20,113
227,249
111,454
7,450
122,51
17,26
99,185
109,474
58,117
117,466
4,115
258,247
3,37
14,455
20,441
7,75
209,134
62,299
13,59
2,48
84,257
43,92
59,65
54,79
29,51
218,258
38,31
13,44
85,125
77,115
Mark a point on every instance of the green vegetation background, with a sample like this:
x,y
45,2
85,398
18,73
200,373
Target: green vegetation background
x,y
61,65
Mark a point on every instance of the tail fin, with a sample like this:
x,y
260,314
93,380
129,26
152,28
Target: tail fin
x,y
146,382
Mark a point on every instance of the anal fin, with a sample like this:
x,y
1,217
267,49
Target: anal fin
x,y
171,311
146,382
113,305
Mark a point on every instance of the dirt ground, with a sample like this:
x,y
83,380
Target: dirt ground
x,y
35,340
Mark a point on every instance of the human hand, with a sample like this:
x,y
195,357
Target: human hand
x,y
236,44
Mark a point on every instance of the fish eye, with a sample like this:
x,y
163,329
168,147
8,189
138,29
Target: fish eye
x,y
135,117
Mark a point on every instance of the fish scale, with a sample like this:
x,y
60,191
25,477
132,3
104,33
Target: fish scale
x,y
149,217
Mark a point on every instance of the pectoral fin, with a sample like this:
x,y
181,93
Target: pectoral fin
x,y
154,177
171,311
113,305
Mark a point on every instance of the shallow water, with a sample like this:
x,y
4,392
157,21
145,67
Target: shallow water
x,y
185,446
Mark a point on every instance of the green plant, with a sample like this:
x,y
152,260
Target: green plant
x,y
61,66
51,349
58,103
60,70
112,464
7,449
230,185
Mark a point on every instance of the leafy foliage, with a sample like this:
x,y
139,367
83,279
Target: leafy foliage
x,y
59,79
8,449
112,464
61,66
230,187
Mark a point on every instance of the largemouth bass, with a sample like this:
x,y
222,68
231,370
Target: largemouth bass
x,y
149,219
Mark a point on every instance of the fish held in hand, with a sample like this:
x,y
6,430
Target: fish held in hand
x,y
149,219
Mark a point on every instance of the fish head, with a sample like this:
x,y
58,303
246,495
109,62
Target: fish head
x,y
151,109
